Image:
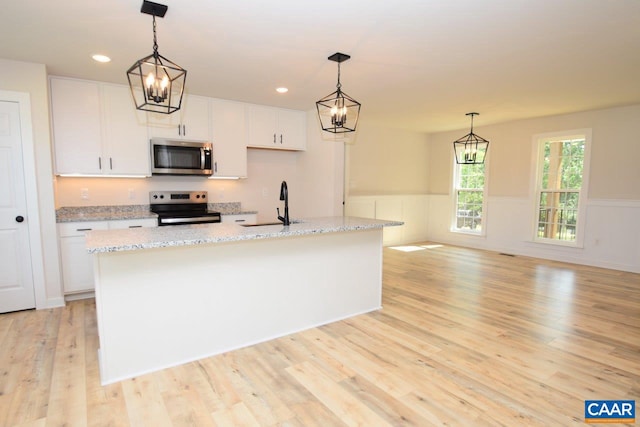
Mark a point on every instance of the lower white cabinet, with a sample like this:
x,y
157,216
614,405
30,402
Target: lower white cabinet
x,y
77,264
250,219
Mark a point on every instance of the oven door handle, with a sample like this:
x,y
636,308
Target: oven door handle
x,y
202,158
190,219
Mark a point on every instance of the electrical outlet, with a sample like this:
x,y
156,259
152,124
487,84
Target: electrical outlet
x,y
84,193
132,194
265,192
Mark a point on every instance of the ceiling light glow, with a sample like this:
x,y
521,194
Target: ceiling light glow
x,y
282,90
101,58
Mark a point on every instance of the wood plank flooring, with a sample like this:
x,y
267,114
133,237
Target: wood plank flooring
x,y
465,337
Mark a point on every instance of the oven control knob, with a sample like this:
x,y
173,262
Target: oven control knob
x,y
162,196
197,196
204,196
155,196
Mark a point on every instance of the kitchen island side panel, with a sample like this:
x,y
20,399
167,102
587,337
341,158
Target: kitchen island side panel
x,y
162,307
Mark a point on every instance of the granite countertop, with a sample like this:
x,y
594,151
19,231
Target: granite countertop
x,y
197,234
121,212
103,213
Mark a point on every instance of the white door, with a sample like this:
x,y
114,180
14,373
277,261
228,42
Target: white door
x,y
16,276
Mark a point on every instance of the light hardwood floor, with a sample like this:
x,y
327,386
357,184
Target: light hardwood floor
x,y
465,337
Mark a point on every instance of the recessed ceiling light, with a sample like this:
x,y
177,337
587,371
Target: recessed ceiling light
x,y
101,58
282,90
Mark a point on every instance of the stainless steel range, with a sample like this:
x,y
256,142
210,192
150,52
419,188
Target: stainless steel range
x,y
182,207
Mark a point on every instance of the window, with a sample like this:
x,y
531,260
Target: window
x,y
469,190
560,188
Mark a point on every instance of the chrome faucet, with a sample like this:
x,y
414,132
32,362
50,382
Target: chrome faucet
x,y
284,195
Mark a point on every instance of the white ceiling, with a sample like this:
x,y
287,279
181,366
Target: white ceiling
x,y
416,64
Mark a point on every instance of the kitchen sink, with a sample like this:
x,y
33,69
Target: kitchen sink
x,y
260,224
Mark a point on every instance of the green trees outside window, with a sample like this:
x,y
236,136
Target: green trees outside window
x,y
559,187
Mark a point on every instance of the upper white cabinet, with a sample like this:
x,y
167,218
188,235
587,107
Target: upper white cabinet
x,y
229,138
77,127
277,128
190,122
97,130
126,141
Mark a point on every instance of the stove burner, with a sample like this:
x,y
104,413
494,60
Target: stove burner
x,y
184,207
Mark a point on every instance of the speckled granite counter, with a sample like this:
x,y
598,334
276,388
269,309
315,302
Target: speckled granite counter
x,y
185,235
103,213
120,212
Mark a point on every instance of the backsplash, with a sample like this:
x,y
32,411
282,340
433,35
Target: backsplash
x,y
101,213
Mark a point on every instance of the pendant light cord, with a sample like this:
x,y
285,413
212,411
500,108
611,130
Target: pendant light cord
x,y
155,40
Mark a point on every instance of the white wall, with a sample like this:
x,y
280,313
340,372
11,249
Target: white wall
x,y
383,160
612,229
32,79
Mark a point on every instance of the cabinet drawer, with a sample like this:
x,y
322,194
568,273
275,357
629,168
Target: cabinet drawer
x,y
71,229
132,223
240,219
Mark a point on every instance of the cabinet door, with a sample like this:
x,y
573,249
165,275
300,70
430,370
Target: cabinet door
x,y
125,130
277,128
229,138
292,125
262,127
75,107
190,122
240,219
195,119
132,223
77,263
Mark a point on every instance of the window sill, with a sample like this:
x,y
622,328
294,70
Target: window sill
x,y
560,243
468,232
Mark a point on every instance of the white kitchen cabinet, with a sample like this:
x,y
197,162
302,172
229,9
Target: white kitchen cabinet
x,y
229,138
77,263
132,223
277,128
77,127
190,122
126,143
97,130
249,219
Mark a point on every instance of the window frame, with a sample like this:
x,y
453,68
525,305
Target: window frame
x,y
454,200
539,142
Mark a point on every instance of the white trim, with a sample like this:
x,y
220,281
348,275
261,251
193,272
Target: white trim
x,y
537,145
615,203
454,200
23,100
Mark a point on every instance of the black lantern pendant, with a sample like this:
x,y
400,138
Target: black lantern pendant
x,y
471,149
157,84
338,112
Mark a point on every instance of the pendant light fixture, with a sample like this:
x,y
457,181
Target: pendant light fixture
x,y
157,84
471,149
338,112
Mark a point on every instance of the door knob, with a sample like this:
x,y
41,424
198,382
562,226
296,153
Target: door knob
x,y
19,218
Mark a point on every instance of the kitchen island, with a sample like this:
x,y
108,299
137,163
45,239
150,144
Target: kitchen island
x,y
170,295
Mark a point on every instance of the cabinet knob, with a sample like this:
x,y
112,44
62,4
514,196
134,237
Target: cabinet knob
x,y
19,218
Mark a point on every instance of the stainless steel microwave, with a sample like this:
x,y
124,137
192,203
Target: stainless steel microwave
x,y
177,157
